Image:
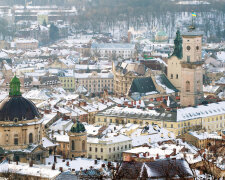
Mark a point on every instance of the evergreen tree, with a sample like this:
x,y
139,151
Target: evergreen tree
x,y
53,32
44,23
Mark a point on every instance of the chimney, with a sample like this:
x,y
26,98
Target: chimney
x,y
53,166
55,159
109,164
31,163
174,151
67,163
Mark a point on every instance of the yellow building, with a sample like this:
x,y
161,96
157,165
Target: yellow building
x,y
89,82
209,117
108,148
125,73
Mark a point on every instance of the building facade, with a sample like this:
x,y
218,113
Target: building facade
x,y
21,127
114,50
90,82
78,140
125,73
209,117
109,148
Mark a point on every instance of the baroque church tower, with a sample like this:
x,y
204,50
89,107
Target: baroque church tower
x,y
185,67
191,69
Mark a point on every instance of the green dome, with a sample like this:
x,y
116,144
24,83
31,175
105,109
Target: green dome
x,y
15,87
161,33
77,128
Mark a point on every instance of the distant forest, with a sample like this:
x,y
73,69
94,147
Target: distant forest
x,y
105,15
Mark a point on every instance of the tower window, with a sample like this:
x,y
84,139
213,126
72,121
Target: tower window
x,y
177,76
187,86
73,145
171,76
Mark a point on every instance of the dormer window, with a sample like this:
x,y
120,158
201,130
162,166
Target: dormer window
x,y
15,120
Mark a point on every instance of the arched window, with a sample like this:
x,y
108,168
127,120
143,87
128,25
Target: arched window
x,y
83,145
30,138
187,86
15,139
73,145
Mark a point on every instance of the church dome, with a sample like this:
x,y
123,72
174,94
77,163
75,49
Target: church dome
x,y
15,107
77,128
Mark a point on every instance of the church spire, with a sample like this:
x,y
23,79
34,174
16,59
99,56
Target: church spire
x,y
178,46
15,87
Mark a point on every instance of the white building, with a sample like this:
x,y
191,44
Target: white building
x,y
113,50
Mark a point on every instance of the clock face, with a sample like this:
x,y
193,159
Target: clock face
x,y
188,48
197,48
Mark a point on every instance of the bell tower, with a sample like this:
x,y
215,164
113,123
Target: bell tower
x,y
191,69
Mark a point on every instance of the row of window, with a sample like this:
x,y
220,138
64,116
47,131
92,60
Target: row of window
x,y
110,157
171,76
16,139
110,149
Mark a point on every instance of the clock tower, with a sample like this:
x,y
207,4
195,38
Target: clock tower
x,y
191,69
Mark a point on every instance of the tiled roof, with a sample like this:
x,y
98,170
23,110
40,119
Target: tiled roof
x,y
142,85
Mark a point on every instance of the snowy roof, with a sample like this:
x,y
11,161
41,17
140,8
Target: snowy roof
x,y
48,117
221,55
3,55
40,171
109,140
47,143
210,89
21,40
205,135
221,81
201,111
75,164
163,81
112,46
81,89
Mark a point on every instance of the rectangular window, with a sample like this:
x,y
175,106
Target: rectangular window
x,y
171,125
89,148
96,149
101,149
188,58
